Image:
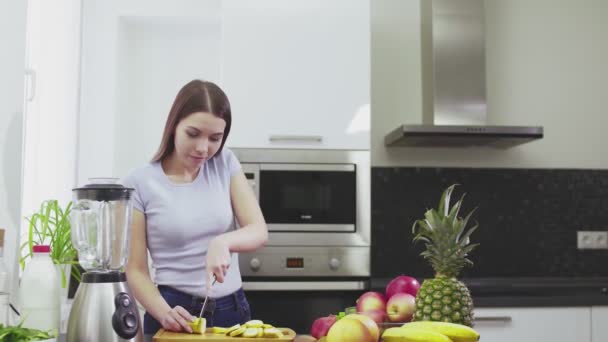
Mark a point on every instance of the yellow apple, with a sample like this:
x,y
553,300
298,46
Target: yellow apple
x,y
349,330
369,324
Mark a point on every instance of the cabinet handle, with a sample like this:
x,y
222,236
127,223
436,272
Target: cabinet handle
x,y
499,319
30,84
303,138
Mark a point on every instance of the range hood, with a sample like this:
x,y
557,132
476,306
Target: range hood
x,y
454,83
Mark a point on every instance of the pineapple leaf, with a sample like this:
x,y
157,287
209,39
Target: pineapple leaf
x,y
444,202
422,238
469,248
453,216
464,223
423,227
464,240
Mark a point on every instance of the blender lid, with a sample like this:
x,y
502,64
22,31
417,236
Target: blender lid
x,y
103,189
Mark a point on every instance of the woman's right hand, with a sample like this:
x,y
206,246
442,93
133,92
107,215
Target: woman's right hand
x,y
176,319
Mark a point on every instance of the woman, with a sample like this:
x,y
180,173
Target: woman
x,y
185,202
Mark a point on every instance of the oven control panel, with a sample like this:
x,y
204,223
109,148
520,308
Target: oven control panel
x,y
306,262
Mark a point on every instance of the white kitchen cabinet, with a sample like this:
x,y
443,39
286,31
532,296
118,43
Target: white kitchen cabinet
x,y
136,55
533,324
297,72
599,323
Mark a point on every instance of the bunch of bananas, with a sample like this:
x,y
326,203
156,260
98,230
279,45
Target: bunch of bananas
x,y
426,331
253,328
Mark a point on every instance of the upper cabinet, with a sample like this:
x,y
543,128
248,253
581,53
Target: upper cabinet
x,y
297,72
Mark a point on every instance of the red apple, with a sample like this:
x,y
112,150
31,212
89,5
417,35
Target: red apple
x,y
371,301
402,284
379,316
400,307
321,326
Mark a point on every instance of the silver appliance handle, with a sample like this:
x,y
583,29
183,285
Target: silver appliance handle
x,y
496,319
310,227
307,167
296,138
304,285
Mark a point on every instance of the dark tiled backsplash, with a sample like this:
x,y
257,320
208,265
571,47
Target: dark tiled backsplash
x,y
528,219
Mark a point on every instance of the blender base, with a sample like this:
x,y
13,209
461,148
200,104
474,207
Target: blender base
x,y
104,309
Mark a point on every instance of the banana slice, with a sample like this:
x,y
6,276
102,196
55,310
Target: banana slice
x,y
255,323
250,332
239,331
232,328
218,330
266,326
273,333
260,332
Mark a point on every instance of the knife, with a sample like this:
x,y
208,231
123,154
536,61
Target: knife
x,y
206,297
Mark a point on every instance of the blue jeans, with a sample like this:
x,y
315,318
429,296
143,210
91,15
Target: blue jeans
x,y
222,312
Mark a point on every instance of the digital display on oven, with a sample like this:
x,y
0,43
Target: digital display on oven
x,y
295,262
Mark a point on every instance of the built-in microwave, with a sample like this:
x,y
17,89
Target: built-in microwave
x,y
302,197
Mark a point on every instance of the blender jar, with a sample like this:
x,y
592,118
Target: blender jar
x,y
101,221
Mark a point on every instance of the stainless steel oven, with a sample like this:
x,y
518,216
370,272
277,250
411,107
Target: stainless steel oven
x,y
317,207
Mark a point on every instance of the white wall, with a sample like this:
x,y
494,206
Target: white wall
x,y
546,65
136,55
12,38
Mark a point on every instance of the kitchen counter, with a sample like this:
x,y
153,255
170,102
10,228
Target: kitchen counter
x,y
148,338
521,292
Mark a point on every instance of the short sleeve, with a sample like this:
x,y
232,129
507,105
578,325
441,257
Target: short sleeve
x,y
131,181
232,163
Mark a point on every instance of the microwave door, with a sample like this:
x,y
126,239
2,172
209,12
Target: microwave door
x,y
308,197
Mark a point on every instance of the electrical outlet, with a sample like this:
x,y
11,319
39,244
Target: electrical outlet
x,y
587,239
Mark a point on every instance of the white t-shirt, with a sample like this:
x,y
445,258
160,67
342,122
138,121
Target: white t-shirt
x,y
181,220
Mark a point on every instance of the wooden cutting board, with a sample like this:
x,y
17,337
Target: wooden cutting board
x,y
168,336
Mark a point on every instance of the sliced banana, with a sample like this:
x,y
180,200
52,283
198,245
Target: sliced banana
x,y
232,328
238,332
273,333
218,330
254,323
250,332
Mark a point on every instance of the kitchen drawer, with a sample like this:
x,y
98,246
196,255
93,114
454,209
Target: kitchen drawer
x,y
556,324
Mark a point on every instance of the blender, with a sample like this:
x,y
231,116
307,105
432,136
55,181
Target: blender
x,y
104,308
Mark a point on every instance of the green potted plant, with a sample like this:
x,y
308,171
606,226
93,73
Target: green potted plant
x,y
51,226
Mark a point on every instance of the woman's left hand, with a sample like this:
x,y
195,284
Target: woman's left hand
x,y
218,260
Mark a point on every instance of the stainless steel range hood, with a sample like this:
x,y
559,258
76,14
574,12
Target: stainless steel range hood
x,y
454,83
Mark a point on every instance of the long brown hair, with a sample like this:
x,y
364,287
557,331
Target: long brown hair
x,y
196,96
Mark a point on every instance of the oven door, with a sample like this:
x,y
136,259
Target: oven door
x,y
298,308
308,197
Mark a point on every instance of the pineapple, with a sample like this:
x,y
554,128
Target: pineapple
x,y
444,298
